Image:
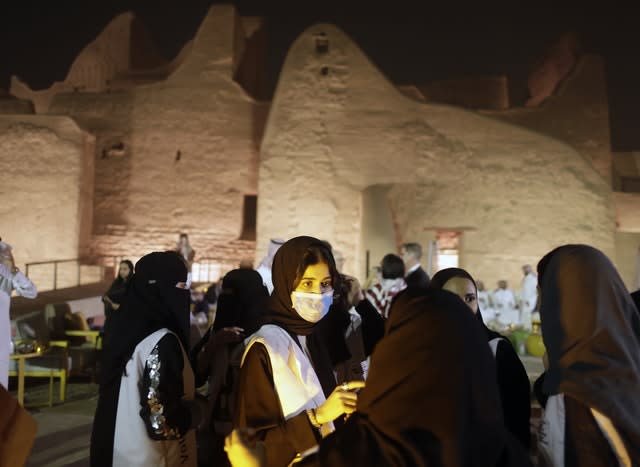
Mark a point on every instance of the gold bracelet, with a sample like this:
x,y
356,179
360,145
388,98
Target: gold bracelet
x,y
311,413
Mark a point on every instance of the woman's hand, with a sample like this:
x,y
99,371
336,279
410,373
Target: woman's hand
x,y
343,400
115,306
243,451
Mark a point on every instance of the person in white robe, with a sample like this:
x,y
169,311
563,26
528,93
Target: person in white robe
x,y
264,268
528,295
11,278
504,301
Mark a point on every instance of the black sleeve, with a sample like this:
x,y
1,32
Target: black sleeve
x,y
166,415
515,392
117,292
372,325
201,371
538,392
258,407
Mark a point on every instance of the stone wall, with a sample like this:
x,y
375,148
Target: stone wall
x,y
577,114
337,127
47,187
175,156
345,156
627,259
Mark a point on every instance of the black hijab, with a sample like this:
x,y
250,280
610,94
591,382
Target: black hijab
x,y
591,331
242,301
431,398
439,280
288,267
334,326
152,302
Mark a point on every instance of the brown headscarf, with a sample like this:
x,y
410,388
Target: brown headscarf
x,y
431,398
592,334
287,267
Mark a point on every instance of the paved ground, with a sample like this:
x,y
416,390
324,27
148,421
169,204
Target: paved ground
x,y
64,430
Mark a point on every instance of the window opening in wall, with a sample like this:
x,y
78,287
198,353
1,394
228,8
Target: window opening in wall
x,y
446,249
206,270
249,217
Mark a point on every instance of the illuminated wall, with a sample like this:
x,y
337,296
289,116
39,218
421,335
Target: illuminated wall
x,y
337,126
175,155
47,187
345,156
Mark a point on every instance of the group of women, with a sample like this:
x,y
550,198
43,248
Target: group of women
x,y
441,388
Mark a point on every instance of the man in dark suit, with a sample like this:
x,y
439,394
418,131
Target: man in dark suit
x,y
415,277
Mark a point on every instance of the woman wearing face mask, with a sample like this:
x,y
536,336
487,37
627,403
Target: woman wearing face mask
x,y
513,382
287,388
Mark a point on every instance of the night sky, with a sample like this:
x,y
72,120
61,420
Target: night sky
x,y
411,44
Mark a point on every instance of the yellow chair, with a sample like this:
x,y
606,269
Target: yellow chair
x,y
94,337
84,344
51,364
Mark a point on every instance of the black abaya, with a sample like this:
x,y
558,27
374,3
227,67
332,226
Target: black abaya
x,y
512,378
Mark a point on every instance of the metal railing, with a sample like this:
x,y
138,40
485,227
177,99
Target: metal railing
x,y
55,268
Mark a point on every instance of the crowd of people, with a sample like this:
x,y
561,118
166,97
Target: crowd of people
x,y
505,308
304,366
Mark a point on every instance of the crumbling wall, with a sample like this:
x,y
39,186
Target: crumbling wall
x,y
337,126
175,156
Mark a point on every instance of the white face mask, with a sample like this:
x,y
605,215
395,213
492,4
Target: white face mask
x,y
312,307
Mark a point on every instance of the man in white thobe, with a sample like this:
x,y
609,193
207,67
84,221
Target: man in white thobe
x,y
264,269
485,303
504,301
528,295
10,278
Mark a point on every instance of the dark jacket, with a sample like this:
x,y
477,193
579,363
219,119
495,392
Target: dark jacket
x,y
418,279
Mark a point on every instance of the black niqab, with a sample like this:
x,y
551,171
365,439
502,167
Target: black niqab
x,y
591,331
242,301
152,302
